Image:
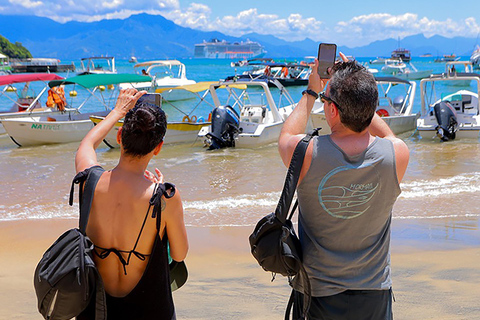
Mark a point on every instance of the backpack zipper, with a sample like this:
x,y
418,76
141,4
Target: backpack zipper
x,y
52,305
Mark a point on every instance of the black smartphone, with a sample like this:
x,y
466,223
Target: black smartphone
x,y
326,59
151,98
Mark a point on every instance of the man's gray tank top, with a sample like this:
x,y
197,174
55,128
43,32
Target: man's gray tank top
x,y
345,213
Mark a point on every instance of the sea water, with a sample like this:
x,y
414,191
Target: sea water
x,y
236,187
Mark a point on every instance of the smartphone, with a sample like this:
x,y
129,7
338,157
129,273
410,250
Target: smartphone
x,y
151,98
326,59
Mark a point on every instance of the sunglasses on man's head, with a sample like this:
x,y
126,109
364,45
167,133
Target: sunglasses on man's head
x,y
324,98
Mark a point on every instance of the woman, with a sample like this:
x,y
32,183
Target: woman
x,y
130,253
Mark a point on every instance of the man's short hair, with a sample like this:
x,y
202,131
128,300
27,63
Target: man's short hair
x,y
355,91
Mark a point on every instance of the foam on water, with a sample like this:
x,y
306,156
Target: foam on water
x,y
459,184
265,200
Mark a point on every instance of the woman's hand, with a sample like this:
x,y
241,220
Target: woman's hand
x,y
158,178
127,99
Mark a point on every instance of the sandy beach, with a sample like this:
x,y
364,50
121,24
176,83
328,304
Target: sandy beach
x,y
430,282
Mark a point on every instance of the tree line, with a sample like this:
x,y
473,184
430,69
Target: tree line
x,y
13,50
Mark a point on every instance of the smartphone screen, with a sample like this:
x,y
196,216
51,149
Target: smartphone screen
x,y
151,98
326,59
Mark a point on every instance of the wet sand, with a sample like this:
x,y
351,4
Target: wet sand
x,y
431,281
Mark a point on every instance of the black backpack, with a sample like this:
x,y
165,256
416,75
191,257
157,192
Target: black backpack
x,y
273,242
66,278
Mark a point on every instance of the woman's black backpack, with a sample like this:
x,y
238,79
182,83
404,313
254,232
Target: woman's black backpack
x,y
66,278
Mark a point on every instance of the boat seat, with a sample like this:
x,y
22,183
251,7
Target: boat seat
x,y
464,105
253,113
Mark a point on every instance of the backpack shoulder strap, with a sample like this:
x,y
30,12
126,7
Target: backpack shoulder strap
x,y
293,174
87,180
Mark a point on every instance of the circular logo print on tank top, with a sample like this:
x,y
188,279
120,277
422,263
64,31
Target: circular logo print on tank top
x,y
346,192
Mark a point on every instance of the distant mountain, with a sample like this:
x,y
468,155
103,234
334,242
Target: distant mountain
x,y
154,37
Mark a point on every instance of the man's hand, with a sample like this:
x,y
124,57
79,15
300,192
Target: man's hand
x,y
315,83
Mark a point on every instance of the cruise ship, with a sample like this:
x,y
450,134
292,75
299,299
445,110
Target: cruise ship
x,y
221,49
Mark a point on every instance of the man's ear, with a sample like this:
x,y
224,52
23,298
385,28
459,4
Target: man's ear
x,y
119,135
334,111
158,148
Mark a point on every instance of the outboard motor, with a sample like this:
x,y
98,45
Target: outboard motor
x,y
225,127
447,120
398,103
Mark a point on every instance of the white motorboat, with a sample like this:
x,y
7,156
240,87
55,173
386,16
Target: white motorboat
x,y
393,66
378,61
40,130
412,73
248,116
395,104
475,57
183,130
455,115
288,74
68,127
452,68
177,132
25,102
163,74
97,65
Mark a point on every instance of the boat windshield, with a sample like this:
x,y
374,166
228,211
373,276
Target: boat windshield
x,y
161,71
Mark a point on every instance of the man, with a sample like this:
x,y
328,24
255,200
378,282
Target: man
x,y
348,185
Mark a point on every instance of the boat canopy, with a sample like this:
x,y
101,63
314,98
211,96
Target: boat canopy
x,y
160,62
391,79
457,75
93,80
280,64
28,77
201,86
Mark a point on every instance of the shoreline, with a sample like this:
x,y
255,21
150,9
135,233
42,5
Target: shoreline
x,y
433,278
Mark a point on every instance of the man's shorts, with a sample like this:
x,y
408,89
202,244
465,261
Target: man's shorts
x,y
348,305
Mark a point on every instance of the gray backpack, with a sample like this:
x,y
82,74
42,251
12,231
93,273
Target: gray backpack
x,y
66,279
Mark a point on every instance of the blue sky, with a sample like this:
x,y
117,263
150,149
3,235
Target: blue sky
x,y
351,23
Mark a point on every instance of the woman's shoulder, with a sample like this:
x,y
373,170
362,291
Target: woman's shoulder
x,y
171,200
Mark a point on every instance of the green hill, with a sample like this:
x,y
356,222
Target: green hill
x,y
13,50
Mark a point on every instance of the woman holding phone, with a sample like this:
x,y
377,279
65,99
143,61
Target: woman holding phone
x,y
136,280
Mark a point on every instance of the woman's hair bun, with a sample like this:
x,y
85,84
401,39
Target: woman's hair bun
x,y
143,129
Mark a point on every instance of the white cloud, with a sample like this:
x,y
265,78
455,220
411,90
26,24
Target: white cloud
x,y
196,16
294,27
364,29
26,3
88,10
112,4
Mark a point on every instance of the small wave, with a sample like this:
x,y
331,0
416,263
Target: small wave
x,y
38,212
464,183
444,216
242,201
